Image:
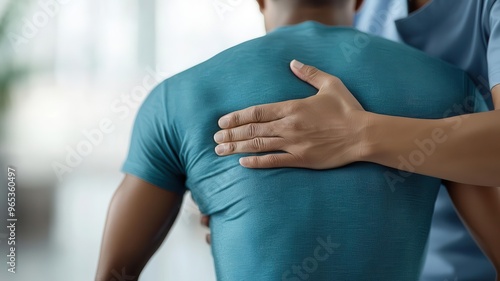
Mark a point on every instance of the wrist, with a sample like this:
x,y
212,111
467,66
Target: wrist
x,y
380,138
364,138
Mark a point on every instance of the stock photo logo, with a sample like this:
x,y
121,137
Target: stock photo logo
x,y
46,11
122,276
121,108
359,42
222,7
425,148
305,271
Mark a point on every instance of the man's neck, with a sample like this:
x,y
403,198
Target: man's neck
x,y
327,16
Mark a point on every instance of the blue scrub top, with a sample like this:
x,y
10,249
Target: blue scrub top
x,y
462,32
467,34
378,17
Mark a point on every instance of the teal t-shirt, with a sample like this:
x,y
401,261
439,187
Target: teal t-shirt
x,y
360,222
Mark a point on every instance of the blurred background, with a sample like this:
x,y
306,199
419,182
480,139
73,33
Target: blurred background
x,y
67,67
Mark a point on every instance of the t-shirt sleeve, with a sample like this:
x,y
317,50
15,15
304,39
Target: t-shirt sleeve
x,y
494,45
153,156
474,102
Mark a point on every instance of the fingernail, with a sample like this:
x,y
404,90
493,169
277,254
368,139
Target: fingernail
x,y
218,137
224,122
242,161
220,149
297,64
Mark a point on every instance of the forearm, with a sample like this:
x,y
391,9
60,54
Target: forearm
x,y
331,129
462,149
139,217
479,208
120,255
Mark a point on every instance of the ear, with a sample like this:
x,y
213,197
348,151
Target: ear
x,y
262,4
359,3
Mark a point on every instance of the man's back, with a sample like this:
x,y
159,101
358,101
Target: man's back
x,y
359,222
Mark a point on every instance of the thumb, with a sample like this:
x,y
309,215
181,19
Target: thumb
x,y
312,75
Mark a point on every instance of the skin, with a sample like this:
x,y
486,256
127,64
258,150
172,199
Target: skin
x,y
314,136
478,207
279,13
350,134
305,129
140,216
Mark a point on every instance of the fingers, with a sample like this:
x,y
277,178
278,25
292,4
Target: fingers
x,y
249,146
245,132
205,220
312,75
277,160
254,114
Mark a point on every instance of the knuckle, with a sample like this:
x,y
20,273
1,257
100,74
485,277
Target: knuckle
x,y
231,147
257,143
252,130
256,113
235,119
272,160
228,135
311,71
332,81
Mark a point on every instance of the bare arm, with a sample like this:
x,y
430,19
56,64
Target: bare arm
x,y
331,129
467,147
139,217
479,208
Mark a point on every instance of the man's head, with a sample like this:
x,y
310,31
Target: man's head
x,y
287,12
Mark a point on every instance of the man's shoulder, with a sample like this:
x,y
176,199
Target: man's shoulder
x,y
303,40
283,40
220,61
